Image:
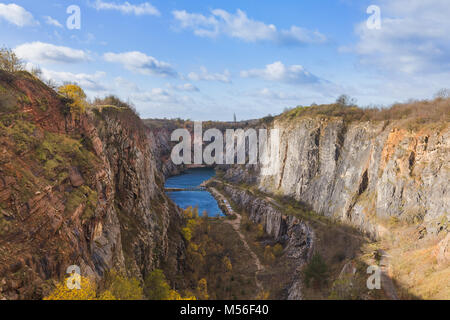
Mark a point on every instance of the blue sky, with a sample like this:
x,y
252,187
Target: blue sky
x,y
210,59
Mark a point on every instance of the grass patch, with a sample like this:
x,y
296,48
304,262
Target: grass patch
x,y
82,195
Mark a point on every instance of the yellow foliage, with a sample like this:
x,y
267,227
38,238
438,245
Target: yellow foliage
x,y
76,94
107,295
87,291
202,289
124,288
227,264
174,295
187,233
263,295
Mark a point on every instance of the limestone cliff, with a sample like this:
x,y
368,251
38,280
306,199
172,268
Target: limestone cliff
x,y
361,171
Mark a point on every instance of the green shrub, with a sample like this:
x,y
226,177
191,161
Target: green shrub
x,y
316,271
156,286
124,288
22,133
82,195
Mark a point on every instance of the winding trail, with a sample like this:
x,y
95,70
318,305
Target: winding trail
x,y
236,223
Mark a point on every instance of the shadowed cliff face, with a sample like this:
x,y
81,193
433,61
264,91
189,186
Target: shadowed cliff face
x,y
76,189
362,172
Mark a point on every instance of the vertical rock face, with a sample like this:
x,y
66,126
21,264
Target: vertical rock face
x,y
362,171
144,212
77,189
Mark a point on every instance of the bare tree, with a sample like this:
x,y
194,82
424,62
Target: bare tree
x,y
37,72
345,100
9,61
443,93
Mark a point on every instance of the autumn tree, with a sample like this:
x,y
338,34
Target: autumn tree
x,y
124,288
76,95
156,286
62,291
227,264
202,289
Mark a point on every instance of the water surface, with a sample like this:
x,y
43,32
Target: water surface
x,y
203,199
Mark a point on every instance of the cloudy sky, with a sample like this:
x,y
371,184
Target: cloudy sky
x,y
210,59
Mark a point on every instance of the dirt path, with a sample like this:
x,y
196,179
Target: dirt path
x,y
236,223
386,280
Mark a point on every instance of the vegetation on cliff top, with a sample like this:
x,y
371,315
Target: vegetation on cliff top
x,y
414,112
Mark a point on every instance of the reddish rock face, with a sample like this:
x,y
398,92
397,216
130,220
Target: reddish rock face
x,y
75,190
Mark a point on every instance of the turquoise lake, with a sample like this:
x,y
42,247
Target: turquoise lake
x,y
192,178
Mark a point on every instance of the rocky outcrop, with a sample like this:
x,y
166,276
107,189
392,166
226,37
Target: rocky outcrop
x,y
362,172
161,150
77,189
296,235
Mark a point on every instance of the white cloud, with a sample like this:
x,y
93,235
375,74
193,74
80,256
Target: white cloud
x,y
204,75
241,27
127,8
52,22
414,37
16,15
183,87
139,62
278,95
155,95
129,86
277,71
39,52
90,82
